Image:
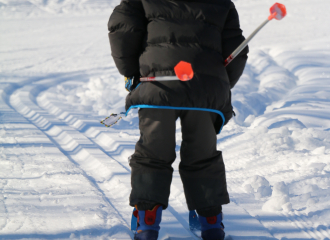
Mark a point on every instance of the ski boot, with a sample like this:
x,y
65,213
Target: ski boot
x,y
148,223
212,227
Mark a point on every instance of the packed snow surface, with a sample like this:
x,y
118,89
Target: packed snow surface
x,y
63,175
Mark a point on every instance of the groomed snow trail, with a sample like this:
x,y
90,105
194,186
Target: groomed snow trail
x,y
65,176
282,166
110,142
108,175
78,191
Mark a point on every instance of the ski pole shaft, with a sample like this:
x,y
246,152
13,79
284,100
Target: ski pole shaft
x,y
244,44
159,79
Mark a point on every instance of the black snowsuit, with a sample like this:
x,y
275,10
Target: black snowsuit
x,y
148,38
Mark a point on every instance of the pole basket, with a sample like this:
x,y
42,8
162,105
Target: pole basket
x,y
277,11
184,71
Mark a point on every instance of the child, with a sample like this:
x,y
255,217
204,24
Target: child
x,y
148,38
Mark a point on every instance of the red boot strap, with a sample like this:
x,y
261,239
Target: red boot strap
x,y
212,220
150,215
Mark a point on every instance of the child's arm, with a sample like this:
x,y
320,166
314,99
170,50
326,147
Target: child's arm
x,y
127,28
231,38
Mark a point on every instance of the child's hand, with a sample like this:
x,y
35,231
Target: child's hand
x,y
129,83
132,82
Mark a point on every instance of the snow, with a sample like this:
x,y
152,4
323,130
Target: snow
x,y
63,175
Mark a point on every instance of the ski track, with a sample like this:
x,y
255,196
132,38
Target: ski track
x,y
270,112
304,223
77,132
107,139
3,205
92,159
12,96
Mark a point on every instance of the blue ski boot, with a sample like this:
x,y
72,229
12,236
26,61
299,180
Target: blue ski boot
x,y
148,223
212,227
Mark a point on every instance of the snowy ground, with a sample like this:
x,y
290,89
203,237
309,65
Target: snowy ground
x,y
65,176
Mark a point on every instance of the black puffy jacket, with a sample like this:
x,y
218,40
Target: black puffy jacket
x,y
149,37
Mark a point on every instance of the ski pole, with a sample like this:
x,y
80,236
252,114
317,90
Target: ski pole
x,y
183,72
277,11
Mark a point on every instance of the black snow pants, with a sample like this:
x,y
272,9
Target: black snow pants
x,y
201,168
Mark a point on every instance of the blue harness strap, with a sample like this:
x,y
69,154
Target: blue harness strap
x,y
181,108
